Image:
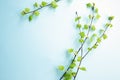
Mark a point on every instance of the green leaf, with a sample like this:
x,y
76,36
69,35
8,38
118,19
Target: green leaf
x,y
23,13
79,58
86,26
94,35
54,4
36,13
89,49
43,4
111,25
72,65
81,40
93,28
96,10
74,61
107,24
99,40
77,18
110,18
61,67
95,46
82,34
104,36
78,25
70,50
30,17
74,73
90,16
89,5
68,75
27,10
98,16
83,68
36,4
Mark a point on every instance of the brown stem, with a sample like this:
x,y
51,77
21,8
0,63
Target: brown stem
x,y
84,42
95,42
88,52
40,7
81,62
79,48
79,65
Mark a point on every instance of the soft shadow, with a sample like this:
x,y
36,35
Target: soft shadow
x,y
68,58
58,74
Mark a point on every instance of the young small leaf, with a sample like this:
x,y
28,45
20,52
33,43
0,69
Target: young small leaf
x,y
89,5
86,26
27,10
30,17
70,50
54,4
23,13
83,68
79,58
36,4
78,25
82,34
81,40
104,36
68,75
73,73
90,16
107,24
77,18
93,28
72,65
95,46
89,49
99,40
98,16
43,4
61,67
96,10
36,13
94,35
110,18
111,25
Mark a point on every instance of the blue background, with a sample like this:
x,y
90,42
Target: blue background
x,y
33,50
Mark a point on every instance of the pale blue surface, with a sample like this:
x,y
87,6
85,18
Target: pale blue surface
x,y
33,50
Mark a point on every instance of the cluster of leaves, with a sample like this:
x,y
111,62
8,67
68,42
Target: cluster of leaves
x,y
37,7
87,32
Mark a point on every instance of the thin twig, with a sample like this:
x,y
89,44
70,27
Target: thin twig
x,y
84,42
79,65
95,42
79,48
88,52
40,8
